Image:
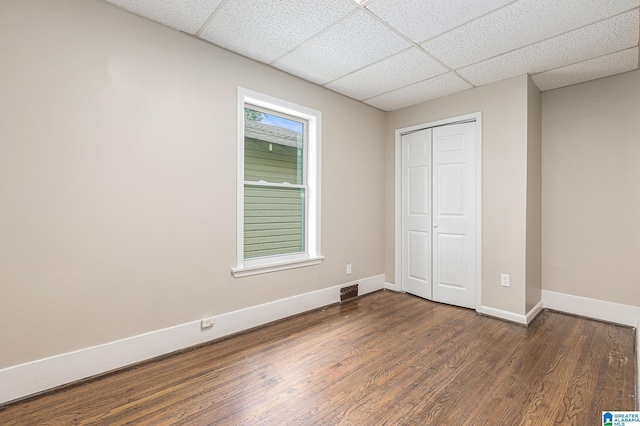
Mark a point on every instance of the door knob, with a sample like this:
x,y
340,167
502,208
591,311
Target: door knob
x,y
435,225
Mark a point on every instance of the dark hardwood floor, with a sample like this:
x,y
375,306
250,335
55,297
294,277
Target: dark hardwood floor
x,y
385,358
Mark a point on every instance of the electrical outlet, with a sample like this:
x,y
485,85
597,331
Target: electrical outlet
x,y
504,280
206,322
348,269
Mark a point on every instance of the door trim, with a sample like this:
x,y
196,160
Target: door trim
x,y
477,117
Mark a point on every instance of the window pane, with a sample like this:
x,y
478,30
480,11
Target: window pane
x,y
273,221
272,148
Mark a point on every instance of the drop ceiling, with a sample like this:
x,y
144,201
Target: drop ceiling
x,y
395,53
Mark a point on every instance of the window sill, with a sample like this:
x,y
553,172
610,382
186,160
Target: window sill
x,y
273,267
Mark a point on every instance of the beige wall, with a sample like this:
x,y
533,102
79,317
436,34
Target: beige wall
x,y
117,179
504,182
534,196
591,189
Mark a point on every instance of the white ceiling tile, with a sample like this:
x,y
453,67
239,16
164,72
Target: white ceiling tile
x,y
517,25
604,37
407,67
351,50
612,64
267,29
422,19
353,43
183,15
437,87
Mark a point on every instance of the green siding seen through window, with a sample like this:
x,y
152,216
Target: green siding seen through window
x,y
273,221
274,190
271,162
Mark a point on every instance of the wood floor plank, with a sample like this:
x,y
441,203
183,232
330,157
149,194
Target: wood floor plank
x,y
386,358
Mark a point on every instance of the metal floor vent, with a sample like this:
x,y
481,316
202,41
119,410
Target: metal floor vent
x,y
348,293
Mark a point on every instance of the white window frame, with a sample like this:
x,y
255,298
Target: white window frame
x,y
312,256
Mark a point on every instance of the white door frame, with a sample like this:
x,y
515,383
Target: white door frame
x,y
477,116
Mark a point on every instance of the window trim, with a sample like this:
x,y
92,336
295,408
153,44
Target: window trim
x,y
312,256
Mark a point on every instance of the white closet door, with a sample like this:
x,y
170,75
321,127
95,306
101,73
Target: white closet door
x,y
454,215
416,213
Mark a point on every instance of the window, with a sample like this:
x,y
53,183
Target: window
x,y
275,184
278,185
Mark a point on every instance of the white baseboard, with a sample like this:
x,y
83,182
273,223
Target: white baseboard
x,y
37,376
577,305
592,308
390,286
365,286
504,315
534,312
